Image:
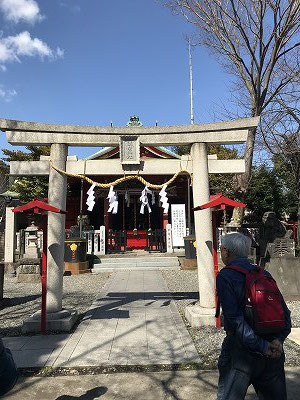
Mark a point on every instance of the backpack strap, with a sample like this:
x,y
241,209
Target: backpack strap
x,y
250,279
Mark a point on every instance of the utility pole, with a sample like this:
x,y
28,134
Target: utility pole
x,y
191,84
192,122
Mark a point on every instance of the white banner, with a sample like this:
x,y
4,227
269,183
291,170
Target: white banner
x,y
178,224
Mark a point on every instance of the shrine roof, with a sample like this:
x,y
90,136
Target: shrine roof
x,y
221,201
160,149
38,206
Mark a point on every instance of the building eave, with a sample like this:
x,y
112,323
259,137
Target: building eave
x,y
106,150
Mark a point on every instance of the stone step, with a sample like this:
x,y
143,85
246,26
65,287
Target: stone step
x,y
120,267
142,254
135,265
137,260
145,263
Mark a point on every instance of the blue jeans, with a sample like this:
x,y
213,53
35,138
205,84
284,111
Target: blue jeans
x,y
239,368
8,370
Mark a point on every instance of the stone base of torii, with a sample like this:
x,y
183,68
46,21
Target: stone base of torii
x,y
62,136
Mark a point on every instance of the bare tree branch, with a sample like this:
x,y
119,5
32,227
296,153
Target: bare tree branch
x,y
257,41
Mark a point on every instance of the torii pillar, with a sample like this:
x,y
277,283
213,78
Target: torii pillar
x,y
203,313
57,196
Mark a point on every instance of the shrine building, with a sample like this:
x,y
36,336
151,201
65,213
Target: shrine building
x,y
129,217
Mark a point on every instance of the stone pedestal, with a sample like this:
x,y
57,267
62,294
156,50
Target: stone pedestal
x,y
29,270
61,321
189,264
199,316
77,268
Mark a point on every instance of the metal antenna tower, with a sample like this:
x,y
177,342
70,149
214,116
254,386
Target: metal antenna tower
x,y
191,84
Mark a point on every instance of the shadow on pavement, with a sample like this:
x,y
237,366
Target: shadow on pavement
x,y
16,301
113,300
89,395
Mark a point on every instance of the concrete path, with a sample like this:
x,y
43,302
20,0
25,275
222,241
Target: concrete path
x,y
133,321
172,385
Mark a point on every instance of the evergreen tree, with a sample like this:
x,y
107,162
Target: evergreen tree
x,y
289,185
225,183
265,194
28,187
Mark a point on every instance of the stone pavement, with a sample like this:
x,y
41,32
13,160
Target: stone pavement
x,y
171,385
133,321
295,335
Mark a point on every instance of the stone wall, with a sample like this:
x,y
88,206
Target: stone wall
x,y
286,272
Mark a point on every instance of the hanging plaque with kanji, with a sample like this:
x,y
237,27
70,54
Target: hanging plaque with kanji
x,y
130,149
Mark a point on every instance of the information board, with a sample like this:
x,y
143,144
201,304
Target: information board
x,y
178,224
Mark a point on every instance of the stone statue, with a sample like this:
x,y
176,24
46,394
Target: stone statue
x,y
134,121
86,226
236,219
271,229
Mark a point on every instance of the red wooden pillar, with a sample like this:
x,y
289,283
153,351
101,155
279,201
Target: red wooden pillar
x,y
107,217
44,277
165,220
215,257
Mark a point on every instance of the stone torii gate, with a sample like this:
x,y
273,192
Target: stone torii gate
x,y
59,137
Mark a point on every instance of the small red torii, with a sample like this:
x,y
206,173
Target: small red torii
x,y
218,202
41,207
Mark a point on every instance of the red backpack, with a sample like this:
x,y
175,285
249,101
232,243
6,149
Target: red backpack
x,y
263,301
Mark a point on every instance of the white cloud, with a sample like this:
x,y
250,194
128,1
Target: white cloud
x,y
60,52
17,10
75,8
13,47
7,95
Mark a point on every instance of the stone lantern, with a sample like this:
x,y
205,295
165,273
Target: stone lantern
x,y
32,247
29,268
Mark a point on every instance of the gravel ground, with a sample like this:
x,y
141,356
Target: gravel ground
x,y
208,340
23,299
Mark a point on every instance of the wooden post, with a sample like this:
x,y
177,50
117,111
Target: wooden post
x,y
44,277
215,256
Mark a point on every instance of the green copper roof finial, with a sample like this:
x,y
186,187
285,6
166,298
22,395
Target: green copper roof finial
x,y
134,121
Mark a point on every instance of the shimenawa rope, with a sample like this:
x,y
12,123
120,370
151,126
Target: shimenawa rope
x,y
120,180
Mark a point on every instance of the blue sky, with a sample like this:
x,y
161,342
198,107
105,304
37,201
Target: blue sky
x,y
93,62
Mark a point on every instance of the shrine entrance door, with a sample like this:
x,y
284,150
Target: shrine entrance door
x,y
135,224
